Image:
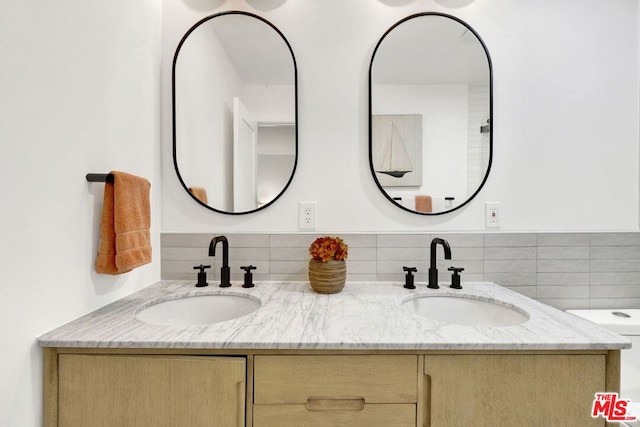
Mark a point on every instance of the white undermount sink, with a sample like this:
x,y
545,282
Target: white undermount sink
x,y
198,310
465,310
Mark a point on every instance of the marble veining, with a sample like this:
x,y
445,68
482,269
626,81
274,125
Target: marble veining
x,y
364,316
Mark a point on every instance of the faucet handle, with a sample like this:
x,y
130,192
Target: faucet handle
x,y
202,275
409,278
248,276
455,277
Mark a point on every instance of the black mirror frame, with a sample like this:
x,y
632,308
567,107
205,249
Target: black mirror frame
x,y
173,109
489,164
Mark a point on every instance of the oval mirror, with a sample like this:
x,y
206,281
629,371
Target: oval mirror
x,y
235,142
430,106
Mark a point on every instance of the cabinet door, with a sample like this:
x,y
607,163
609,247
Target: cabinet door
x,y
140,391
508,390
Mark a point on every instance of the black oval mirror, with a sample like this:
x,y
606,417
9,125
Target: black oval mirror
x,y
235,144
430,114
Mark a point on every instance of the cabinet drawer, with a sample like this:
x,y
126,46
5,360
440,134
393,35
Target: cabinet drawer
x,y
375,379
388,415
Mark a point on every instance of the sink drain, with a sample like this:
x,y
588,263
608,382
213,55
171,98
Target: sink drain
x,y
620,314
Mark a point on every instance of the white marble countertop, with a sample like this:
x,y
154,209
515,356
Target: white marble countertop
x,y
364,316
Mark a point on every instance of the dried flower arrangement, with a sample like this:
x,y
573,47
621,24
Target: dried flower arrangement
x,y
329,248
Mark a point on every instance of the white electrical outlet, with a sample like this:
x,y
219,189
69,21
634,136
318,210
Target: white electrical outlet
x,y
492,214
307,215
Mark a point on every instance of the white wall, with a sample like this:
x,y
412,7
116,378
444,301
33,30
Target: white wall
x,y
79,84
565,115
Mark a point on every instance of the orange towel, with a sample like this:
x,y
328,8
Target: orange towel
x,y
125,241
199,193
423,204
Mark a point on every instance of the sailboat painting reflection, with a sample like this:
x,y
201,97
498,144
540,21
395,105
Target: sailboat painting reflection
x,y
397,149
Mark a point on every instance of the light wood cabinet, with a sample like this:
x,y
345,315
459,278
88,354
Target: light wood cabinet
x,y
140,391
128,387
335,390
507,390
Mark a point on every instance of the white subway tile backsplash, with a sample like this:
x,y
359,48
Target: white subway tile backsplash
x,y
510,266
615,291
463,240
361,267
248,254
566,270
288,267
563,252
510,239
395,266
563,266
614,303
615,278
615,239
403,254
563,279
564,239
293,277
404,240
363,278
472,277
249,240
509,253
359,240
617,265
361,254
467,254
262,268
184,266
511,279
470,267
288,254
399,278
564,291
182,254
291,240
614,252
187,240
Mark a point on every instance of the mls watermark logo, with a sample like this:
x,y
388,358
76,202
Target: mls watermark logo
x,y
611,408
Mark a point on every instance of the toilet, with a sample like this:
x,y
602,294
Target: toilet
x,y
624,322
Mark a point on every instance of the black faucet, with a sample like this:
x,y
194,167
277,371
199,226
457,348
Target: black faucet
x,y
433,271
225,271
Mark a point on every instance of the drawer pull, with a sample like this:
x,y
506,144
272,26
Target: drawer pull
x,y
335,404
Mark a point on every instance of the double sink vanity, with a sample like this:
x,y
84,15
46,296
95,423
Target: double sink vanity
x,y
375,354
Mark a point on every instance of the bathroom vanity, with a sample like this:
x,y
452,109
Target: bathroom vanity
x,y
360,357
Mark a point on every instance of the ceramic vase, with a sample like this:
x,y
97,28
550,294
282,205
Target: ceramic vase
x,y
327,277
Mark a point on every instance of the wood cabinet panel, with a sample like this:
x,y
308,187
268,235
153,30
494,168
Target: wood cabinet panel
x,y
140,391
440,389
387,415
294,379
507,390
